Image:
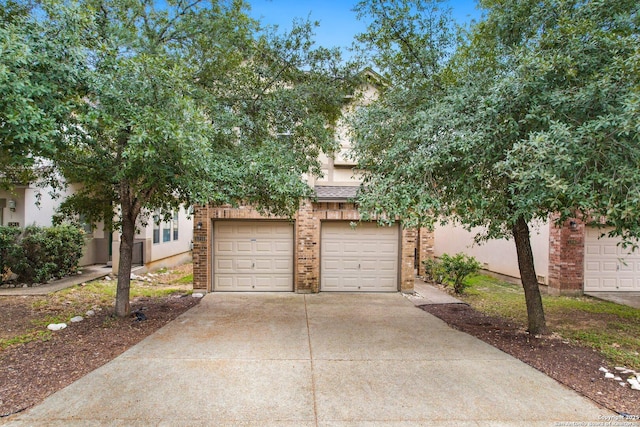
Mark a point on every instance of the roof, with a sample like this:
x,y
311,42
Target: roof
x,y
331,193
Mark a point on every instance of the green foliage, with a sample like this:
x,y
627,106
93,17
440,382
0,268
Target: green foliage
x,y
452,270
534,114
39,78
8,246
186,280
456,268
44,253
188,103
433,270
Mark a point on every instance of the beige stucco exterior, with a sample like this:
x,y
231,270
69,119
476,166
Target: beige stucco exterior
x,y
498,256
36,206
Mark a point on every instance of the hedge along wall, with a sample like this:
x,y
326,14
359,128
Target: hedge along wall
x,y
39,254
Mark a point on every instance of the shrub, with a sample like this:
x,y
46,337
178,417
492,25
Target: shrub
x,y
8,247
433,270
456,268
46,253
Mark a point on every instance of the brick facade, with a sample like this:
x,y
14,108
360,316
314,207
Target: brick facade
x,y
425,248
566,258
306,240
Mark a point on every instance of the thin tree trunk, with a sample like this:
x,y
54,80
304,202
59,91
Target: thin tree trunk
x,y
535,312
124,267
130,208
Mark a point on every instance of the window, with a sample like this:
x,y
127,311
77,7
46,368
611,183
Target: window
x,y
165,230
175,226
86,226
156,228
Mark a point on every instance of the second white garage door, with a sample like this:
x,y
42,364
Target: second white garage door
x,y
364,258
607,265
253,256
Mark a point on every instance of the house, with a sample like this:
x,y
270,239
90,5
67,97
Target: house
x,y
569,260
158,244
324,247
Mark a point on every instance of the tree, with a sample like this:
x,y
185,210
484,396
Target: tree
x,y
39,64
192,102
538,116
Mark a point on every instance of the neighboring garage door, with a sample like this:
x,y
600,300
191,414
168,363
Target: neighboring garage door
x,y
364,258
607,266
253,256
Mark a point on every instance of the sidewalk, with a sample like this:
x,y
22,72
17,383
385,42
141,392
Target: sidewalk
x,y
88,273
426,294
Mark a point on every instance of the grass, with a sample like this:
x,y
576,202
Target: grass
x,y
610,328
186,280
34,335
61,306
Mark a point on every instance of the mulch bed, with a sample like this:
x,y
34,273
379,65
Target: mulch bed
x,y
31,372
574,366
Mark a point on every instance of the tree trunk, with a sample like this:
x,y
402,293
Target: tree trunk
x,y
124,267
130,208
535,311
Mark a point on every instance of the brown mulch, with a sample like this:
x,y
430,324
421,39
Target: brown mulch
x,y
31,372
574,366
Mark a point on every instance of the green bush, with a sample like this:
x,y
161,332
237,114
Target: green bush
x,y
44,253
433,270
8,247
456,268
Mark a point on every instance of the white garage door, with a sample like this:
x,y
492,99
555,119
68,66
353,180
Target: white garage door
x,y
253,256
607,266
364,258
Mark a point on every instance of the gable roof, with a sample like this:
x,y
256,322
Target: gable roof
x,y
333,193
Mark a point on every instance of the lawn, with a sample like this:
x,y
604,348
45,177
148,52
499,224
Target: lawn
x,y
610,328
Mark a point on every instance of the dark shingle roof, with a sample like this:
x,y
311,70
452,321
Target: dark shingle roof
x,y
333,193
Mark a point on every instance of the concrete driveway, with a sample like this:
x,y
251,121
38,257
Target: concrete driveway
x,y
311,360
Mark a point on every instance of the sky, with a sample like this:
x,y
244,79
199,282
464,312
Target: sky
x,y
338,24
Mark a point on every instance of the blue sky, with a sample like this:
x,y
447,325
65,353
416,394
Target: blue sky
x,y
338,24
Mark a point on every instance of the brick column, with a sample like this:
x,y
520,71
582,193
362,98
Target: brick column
x,y
201,249
566,257
307,253
407,261
425,248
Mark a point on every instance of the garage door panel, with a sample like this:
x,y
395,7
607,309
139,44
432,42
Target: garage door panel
x,y
225,282
351,248
592,266
224,246
626,267
592,250
387,266
330,283
348,283
626,283
243,247
224,265
269,283
364,258
253,256
367,266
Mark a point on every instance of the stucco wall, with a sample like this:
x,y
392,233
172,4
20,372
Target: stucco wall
x,y
163,254
498,256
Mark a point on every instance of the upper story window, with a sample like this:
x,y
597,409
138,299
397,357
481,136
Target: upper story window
x,y
165,231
